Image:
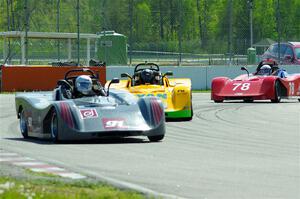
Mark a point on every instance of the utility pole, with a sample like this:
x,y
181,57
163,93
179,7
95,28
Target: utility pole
x,y
26,30
131,30
278,27
78,34
57,28
250,4
230,32
8,28
180,31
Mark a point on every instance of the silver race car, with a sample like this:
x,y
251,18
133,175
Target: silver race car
x,y
80,108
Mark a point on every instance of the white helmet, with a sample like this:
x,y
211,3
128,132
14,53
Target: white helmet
x,y
265,70
83,84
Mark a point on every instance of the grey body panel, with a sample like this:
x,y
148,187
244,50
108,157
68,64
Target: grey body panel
x,y
120,114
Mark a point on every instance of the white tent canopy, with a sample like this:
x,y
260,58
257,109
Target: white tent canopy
x,y
47,35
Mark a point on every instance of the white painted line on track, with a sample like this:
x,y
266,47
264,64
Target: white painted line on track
x,y
71,175
36,166
8,154
28,164
16,159
46,170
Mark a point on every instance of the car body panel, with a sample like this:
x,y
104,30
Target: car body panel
x,y
120,114
289,53
175,94
254,87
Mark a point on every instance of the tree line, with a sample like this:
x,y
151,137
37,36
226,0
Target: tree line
x,y
195,26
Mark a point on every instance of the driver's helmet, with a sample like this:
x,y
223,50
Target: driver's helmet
x,y
83,84
265,70
147,76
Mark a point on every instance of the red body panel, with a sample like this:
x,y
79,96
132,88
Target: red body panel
x,y
253,87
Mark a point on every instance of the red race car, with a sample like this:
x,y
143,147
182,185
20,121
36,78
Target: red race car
x,y
267,83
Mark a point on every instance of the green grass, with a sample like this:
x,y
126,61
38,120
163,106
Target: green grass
x,y
42,174
201,91
11,188
7,92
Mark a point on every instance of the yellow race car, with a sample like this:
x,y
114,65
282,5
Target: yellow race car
x,y
175,93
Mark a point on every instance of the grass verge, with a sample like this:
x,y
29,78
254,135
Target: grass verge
x,y
201,91
11,188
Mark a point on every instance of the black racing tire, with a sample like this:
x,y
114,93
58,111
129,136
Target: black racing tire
x,y
54,127
218,101
23,124
277,93
248,100
156,138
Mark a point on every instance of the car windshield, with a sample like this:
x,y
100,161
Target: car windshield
x,y
297,52
146,66
97,101
273,50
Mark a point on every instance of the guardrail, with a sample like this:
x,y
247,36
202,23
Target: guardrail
x,y
161,58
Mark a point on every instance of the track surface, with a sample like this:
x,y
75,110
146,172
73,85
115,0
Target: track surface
x,y
229,150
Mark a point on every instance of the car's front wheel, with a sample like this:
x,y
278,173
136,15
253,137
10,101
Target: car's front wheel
x,y
277,93
23,124
54,126
156,138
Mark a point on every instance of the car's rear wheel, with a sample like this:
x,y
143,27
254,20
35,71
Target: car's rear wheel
x,y
54,126
23,124
277,93
156,138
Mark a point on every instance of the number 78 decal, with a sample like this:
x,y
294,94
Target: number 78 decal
x,y
243,86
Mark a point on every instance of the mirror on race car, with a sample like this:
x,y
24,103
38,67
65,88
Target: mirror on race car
x,y
168,73
245,69
125,75
113,81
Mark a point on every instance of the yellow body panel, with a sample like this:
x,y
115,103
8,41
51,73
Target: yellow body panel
x,y
175,93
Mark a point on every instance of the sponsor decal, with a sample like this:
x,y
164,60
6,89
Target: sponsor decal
x,y
162,96
114,123
88,113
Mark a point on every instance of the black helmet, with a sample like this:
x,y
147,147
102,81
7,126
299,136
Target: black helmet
x,y
147,76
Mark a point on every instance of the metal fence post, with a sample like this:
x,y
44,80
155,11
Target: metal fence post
x,y
131,30
57,27
180,31
26,30
78,34
278,27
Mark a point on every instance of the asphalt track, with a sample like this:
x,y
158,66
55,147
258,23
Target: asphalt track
x,y
228,150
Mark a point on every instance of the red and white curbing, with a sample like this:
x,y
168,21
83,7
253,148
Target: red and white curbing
x,y
36,166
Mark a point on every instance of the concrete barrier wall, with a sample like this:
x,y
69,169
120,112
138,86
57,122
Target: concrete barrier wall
x,y
201,76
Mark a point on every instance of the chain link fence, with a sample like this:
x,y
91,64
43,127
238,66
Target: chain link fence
x,y
174,32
